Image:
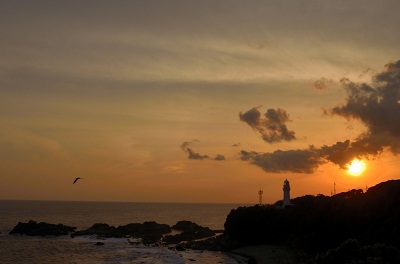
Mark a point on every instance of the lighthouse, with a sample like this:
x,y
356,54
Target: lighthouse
x,y
286,194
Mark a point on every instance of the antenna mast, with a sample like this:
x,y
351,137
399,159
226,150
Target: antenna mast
x,y
260,193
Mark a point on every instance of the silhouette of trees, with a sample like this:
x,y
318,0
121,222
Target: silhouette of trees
x,y
351,251
318,223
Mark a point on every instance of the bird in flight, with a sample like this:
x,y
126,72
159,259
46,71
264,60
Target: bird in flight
x,y
76,179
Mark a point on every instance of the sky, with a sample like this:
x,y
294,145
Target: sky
x,y
196,101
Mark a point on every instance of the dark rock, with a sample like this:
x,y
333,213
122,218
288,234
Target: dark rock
x,y
190,231
180,248
186,226
102,230
32,228
99,244
150,232
150,239
204,232
147,228
215,243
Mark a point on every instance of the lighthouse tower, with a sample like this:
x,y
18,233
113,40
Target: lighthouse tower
x,y
286,194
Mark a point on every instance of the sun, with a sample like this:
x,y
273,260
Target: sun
x,y
356,167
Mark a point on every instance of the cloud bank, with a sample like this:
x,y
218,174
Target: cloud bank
x,y
376,105
300,161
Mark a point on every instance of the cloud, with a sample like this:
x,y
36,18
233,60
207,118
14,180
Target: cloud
x,y
323,84
300,161
308,160
197,156
376,105
219,157
192,154
367,72
271,127
342,153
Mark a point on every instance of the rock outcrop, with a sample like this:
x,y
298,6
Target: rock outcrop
x,y
32,228
149,232
190,231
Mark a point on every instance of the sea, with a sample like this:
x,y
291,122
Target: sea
x,y
21,249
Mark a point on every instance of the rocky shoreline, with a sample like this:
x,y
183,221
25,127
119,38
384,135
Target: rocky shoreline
x,y
184,234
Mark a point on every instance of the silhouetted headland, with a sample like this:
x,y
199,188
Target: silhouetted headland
x,y
352,226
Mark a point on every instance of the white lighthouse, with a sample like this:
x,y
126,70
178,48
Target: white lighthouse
x,y
286,194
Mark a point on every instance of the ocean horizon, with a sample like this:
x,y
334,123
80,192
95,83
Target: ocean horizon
x,y
82,213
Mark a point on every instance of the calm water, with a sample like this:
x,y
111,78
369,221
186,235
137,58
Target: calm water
x,y
23,249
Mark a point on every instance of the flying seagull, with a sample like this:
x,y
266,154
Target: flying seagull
x,y
76,179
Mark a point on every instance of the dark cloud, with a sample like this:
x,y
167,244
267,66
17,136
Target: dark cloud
x,y
185,145
308,160
323,84
219,157
192,154
376,105
367,72
197,156
271,126
338,153
342,153
300,161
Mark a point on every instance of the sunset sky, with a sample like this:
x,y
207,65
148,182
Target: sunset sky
x,y
196,101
